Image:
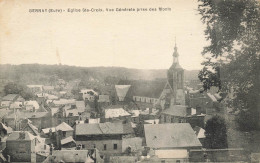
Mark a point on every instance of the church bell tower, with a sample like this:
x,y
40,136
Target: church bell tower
x,y
175,77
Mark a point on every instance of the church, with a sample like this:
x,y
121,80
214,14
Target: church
x,y
173,92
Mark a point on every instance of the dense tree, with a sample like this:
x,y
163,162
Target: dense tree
x,y
232,28
216,133
14,88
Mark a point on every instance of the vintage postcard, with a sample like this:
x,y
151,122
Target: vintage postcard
x,y
129,81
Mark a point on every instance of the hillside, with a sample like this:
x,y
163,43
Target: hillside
x,y
43,74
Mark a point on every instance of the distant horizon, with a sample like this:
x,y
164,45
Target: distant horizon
x,y
92,66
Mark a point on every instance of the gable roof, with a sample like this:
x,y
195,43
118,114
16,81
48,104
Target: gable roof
x,y
176,110
16,136
145,88
172,135
121,91
103,128
8,129
117,112
10,97
32,127
64,127
200,132
67,140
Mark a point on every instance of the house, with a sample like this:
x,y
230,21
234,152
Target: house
x,y
22,147
48,89
66,130
16,105
132,145
58,134
106,137
4,133
31,105
171,136
168,155
68,142
79,156
135,116
13,101
12,98
88,94
38,119
30,127
149,114
35,88
116,114
174,114
80,105
68,114
103,100
62,102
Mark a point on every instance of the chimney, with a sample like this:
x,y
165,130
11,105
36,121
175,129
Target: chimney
x,y
189,111
22,135
150,110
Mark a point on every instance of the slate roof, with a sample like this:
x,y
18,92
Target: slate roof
x,y
47,130
67,140
10,97
16,136
4,112
64,127
173,135
116,112
176,110
24,115
32,127
103,98
145,88
103,129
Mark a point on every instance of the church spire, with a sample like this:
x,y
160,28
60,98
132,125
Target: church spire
x,y
175,54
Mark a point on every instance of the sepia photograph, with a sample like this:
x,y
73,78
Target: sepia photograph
x,y
129,81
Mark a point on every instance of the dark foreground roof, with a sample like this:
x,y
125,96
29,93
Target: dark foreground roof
x,y
173,135
103,129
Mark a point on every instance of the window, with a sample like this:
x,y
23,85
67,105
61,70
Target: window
x,y
115,146
64,133
83,146
105,147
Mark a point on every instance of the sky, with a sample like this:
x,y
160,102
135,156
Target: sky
x,y
143,40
